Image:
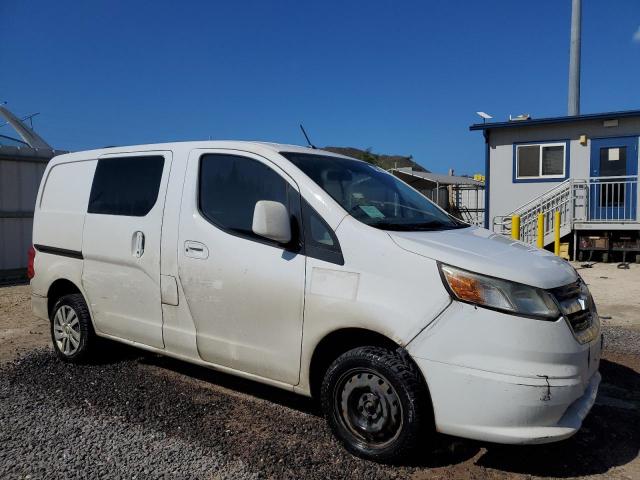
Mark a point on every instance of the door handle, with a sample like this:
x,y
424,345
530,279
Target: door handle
x,y
195,249
138,244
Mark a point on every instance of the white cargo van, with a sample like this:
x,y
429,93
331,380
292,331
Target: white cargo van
x,y
320,274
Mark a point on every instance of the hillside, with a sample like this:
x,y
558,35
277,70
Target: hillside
x,y
383,161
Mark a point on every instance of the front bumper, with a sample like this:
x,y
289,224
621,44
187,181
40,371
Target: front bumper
x,y
505,379
503,409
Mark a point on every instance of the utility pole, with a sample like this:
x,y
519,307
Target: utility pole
x,y
574,58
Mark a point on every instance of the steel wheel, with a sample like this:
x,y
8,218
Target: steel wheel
x,y
66,330
369,407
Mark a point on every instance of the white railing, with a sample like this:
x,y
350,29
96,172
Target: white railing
x,y
568,198
463,201
534,203
469,201
472,216
560,199
613,199
599,199
502,224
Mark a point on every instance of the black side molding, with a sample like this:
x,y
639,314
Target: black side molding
x,y
63,252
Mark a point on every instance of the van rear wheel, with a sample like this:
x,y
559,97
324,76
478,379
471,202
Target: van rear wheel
x,y
71,330
376,403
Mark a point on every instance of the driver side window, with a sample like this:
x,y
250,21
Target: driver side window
x,y
231,185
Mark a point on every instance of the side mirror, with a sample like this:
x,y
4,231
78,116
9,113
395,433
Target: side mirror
x,y
271,220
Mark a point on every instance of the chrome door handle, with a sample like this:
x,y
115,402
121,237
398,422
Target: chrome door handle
x,y
195,249
138,244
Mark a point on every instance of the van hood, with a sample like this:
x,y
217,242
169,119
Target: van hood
x,y
479,250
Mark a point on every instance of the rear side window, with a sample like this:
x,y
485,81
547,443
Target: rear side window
x,y
230,187
126,186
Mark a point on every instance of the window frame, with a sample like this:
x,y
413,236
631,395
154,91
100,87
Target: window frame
x,y
331,254
129,157
298,244
540,177
295,245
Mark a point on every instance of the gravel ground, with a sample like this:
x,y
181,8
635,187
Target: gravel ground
x,y
621,340
131,414
137,415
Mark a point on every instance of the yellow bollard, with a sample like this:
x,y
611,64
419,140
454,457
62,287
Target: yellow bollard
x,y
556,233
540,230
515,227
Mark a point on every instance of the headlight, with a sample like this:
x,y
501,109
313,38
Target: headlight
x,y
497,294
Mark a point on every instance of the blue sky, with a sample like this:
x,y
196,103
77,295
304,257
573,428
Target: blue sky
x,y
400,77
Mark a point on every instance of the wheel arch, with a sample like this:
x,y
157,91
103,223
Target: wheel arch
x,y
58,289
337,342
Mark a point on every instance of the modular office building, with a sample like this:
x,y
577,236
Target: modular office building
x,y
585,167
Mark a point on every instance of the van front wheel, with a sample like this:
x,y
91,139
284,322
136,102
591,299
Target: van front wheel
x,y
376,403
71,329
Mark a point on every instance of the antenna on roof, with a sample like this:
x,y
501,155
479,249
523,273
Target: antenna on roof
x,y
484,116
307,137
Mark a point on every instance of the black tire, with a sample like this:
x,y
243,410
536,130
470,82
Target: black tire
x,y
82,333
358,395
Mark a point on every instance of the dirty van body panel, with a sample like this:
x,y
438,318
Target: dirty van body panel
x,y
397,295
479,250
245,296
57,227
525,380
178,329
62,205
121,248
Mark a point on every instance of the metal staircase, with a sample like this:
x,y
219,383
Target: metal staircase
x,y
570,198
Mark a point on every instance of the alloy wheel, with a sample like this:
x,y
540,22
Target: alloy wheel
x,y
66,330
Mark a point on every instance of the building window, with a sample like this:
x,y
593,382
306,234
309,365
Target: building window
x,y
547,160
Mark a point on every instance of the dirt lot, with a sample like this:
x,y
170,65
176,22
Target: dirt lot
x,y
136,415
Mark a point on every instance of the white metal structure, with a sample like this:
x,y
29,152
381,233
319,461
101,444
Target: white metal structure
x,y
461,196
22,163
348,301
20,174
613,200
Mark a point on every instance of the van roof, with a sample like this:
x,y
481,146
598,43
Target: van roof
x,y
251,146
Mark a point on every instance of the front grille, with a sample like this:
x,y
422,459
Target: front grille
x,y
576,305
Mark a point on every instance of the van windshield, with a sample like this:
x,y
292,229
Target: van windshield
x,y
372,195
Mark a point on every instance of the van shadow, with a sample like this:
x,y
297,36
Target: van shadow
x,y
111,353
609,437
444,450
249,387
108,352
